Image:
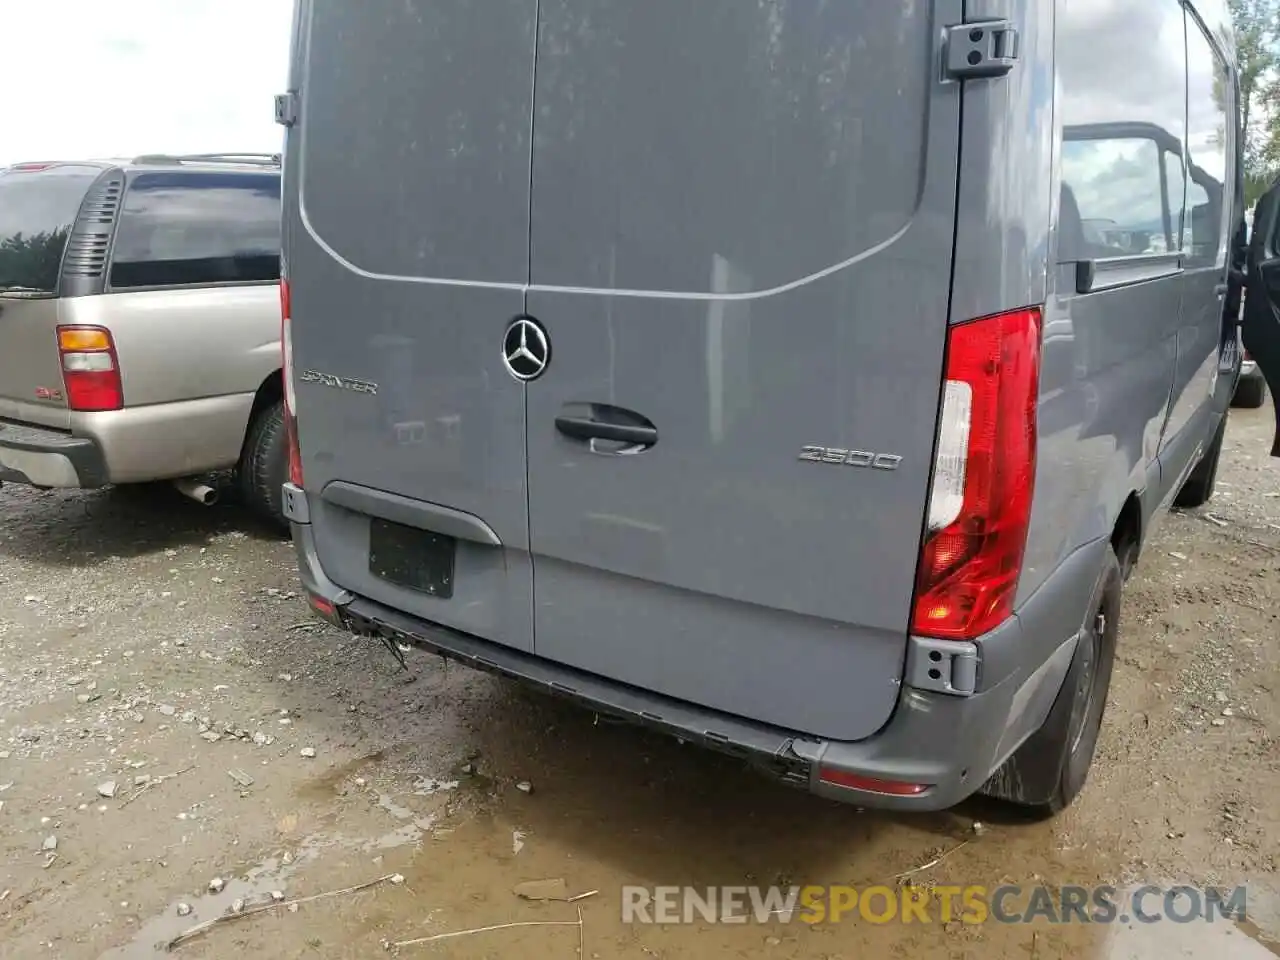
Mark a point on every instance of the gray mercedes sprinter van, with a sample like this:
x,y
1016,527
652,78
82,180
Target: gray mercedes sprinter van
x,y
801,379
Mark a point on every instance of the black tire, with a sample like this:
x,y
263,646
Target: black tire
x,y
1197,490
264,465
1049,770
1127,555
1251,393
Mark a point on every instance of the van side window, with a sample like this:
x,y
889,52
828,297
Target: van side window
x,y
1123,197
1209,109
181,229
1124,119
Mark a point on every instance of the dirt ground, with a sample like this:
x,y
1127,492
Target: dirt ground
x,y
170,713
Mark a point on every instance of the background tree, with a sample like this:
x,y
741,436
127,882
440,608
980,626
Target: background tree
x,y
1257,24
33,261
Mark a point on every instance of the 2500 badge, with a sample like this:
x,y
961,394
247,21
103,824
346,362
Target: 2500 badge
x,y
851,458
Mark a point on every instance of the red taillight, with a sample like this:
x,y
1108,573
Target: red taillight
x,y
983,478
286,372
90,369
285,303
892,788
295,455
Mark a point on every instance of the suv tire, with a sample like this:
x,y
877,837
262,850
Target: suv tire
x,y
264,464
1049,770
1197,490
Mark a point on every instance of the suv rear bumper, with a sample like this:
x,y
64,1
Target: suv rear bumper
x,y
157,441
49,458
952,743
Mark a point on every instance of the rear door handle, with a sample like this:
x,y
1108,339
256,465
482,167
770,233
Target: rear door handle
x,y
585,428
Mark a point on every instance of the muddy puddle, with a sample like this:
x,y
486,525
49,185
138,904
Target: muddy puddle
x,y
611,827
453,893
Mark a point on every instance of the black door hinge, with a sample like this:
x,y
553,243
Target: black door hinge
x,y
286,109
981,50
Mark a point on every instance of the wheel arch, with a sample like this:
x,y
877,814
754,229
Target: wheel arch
x,y
1126,534
269,392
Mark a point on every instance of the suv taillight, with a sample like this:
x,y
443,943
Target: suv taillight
x,y
90,369
983,478
290,401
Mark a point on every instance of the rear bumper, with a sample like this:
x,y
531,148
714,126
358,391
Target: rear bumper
x,y
951,743
49,458
165,441
160,441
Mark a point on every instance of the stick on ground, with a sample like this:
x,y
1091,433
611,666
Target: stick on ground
x,y
200,928
154,782
496,926
932,863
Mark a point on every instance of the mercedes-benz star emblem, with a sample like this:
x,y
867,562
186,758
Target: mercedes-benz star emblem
x,y
525,349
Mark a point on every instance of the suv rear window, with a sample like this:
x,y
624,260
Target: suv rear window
x,y
37,209
180,229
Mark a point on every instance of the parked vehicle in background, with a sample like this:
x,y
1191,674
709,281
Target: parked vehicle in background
x,y
1251,388
1251,391
1260,331
778,398
139,324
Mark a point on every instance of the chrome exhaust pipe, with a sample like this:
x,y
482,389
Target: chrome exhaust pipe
x,y
200,492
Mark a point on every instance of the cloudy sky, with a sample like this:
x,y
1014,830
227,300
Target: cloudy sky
x,y
86,78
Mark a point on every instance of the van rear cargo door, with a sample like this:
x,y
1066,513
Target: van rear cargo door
x,y
407,247
741,240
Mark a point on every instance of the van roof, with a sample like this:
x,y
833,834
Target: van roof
x,y
256,160
207,161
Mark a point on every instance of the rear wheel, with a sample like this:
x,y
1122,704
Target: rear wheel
x,y
1198,488
1127,555
264,464
1251,392
1048,772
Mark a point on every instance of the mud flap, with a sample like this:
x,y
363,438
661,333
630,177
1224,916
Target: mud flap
x,y
1261,325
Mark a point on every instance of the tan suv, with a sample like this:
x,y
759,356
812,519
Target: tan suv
x,y
140,324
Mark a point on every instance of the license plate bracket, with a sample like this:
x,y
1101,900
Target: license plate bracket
x,y
415,559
